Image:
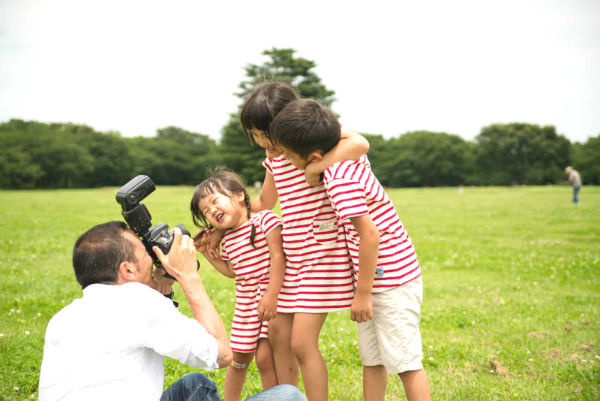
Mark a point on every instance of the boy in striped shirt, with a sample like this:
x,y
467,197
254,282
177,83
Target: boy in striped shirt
x,y
388,286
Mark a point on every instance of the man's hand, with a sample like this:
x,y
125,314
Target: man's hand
x,y
181,263
362,308
181,259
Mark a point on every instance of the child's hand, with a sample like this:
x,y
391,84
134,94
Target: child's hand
x,y
207,241
201,241
267,307
214,241
313,174
362,308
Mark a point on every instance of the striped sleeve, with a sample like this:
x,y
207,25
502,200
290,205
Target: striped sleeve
x,y
268,165
269,221
348,198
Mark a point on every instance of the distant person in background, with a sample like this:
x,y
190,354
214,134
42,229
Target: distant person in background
x,y
575,181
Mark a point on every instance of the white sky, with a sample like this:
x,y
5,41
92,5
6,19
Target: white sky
x,y
396,66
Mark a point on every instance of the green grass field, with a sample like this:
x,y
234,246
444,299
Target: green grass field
x,y
511,276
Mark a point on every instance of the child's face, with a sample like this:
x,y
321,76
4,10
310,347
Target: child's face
x,y
264,142
224,211
298,161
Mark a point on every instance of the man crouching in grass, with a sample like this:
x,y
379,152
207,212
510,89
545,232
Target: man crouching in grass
x,y
110,344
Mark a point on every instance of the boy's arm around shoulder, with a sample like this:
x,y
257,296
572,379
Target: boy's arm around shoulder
x,y
351,146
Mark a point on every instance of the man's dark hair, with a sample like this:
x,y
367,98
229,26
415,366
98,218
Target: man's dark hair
x,y
304,126
263,104
99,251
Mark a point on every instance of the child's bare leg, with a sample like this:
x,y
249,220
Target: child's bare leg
x,y
280,336
236,375
265,364
374,382
416,385
305,343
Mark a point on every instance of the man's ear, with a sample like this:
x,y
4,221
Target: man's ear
x,y
315,156
127,272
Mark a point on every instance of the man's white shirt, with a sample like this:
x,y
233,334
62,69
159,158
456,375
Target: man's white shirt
x,y
109,345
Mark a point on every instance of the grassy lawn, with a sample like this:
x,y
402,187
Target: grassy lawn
x,y
511,277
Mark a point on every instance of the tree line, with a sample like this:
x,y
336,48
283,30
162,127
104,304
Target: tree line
x,y
41,155
64,155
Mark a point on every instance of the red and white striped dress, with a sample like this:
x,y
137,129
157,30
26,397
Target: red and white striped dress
x,y
355,191
251,268
318,275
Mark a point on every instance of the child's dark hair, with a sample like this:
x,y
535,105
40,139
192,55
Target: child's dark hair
x,y
263,104
224,182
304,126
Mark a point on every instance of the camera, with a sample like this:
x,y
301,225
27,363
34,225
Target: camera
x,y
139,220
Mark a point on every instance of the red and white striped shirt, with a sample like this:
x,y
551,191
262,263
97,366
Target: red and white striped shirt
x,y
318,275
251,267
355,191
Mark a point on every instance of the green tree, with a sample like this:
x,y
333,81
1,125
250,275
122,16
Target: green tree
x,y
240,155
244,157
174,157
284,66
60,155
17,168
423,158
377,157
586,160
66,163
45,155
113,164
521,153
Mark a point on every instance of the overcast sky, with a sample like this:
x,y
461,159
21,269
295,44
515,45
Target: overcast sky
x,y
396,66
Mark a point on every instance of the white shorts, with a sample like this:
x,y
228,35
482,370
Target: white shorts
x,y
392,338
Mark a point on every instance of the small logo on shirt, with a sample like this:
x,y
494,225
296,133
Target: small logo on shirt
x,y
379,271
327,226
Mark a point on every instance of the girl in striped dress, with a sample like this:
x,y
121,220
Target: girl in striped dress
x,y
318,276
251,252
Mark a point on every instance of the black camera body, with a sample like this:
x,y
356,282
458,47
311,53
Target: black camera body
x,y
139,220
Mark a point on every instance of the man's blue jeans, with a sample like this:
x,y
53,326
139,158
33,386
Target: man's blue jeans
x,y
196,386
280,392
192,387
575,193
